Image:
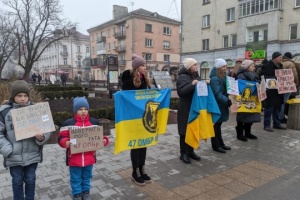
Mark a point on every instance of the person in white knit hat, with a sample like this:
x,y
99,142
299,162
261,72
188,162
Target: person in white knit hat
x,y
187,79
218,86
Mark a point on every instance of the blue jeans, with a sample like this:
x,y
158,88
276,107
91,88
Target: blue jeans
x,y
80,179
273,111
22,174
285,98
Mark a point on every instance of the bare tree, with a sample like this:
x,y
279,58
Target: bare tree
x,y
8,43
40,24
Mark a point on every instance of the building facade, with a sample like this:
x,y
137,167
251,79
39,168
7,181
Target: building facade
x,y
140,32
70,56
228,29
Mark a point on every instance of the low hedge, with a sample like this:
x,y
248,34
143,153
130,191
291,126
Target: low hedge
x,y
68,94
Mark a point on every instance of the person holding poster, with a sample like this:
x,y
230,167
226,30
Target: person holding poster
x,y
80,164
272,105
21,157
187,79
246,119
218,86
137,79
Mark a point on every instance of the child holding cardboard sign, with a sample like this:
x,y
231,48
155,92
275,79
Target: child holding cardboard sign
x,y
23,156
80,164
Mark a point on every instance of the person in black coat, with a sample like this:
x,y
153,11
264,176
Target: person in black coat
x,y
245,119
274,100
137,79
187,79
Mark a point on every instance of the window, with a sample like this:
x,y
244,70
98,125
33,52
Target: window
x,y
225,41
148,56
206,1
65,48
166,45
258,6
92,37
265,35
78,49
148,43
65,61
148,27
297,3
114,46
166,57
233,40
167,31
205,21
293,31
87,49
108,33
256,36
205,44
108,45
230,14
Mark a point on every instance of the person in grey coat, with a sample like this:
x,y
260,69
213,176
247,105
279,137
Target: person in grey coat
x,y
218,86
23,156
187,79
245,120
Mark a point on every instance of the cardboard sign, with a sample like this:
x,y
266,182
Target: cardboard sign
x,y
162,80
232,86
30,120
285,81
261,90
85,139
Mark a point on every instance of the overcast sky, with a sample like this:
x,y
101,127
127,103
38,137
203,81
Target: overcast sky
x,y
89,13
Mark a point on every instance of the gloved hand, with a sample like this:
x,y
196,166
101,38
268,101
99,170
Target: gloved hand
x,y
229,103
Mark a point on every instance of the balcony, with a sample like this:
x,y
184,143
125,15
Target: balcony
x,y
120,35
122,62
64,53
120,49
101,39
101,51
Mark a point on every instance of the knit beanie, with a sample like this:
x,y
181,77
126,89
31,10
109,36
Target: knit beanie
x,y
19,86
189,62
220,62
137,61
275,55
79,102
288,55
246,63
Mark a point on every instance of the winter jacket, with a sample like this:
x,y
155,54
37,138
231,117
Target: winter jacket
x,y
185,91
218,86
273,98
78,159
18,153
127,81
247,117
289,64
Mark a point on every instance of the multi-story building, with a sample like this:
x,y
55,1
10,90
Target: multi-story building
x,y
141,32
227,29
70,55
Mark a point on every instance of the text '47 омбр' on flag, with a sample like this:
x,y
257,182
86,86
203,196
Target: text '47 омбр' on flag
x,y
140,115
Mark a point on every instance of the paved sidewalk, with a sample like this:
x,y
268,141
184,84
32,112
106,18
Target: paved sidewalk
x,y
264,169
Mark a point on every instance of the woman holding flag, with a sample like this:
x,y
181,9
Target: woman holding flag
x,y
137,79
246,119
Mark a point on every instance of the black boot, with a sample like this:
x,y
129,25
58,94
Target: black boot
x,y
185,158
248,134
137,178
146,178
240,133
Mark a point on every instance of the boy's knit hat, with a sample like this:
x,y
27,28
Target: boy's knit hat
x,y
189,62
220,62
137,61
246,63
19,86
288,55
79,102
275,55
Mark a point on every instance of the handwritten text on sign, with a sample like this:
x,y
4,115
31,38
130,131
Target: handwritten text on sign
x,y
85,139
285,81
30,120
163,79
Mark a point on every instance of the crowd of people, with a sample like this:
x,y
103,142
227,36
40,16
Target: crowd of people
x,y
22,157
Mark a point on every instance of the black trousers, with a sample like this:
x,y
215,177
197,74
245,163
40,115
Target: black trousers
x,y
184,147
138,157
217,141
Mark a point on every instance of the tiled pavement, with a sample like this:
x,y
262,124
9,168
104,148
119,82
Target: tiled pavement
x,y
262,169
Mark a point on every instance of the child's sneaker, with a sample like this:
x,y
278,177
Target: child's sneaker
x,y
77,197
86,195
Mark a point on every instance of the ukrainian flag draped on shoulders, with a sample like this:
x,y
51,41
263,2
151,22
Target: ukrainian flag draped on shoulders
x,y
247,100
204,113
140,115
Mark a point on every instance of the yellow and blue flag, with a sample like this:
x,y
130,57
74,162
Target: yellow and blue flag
x,y
204,113
247,100
140,115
